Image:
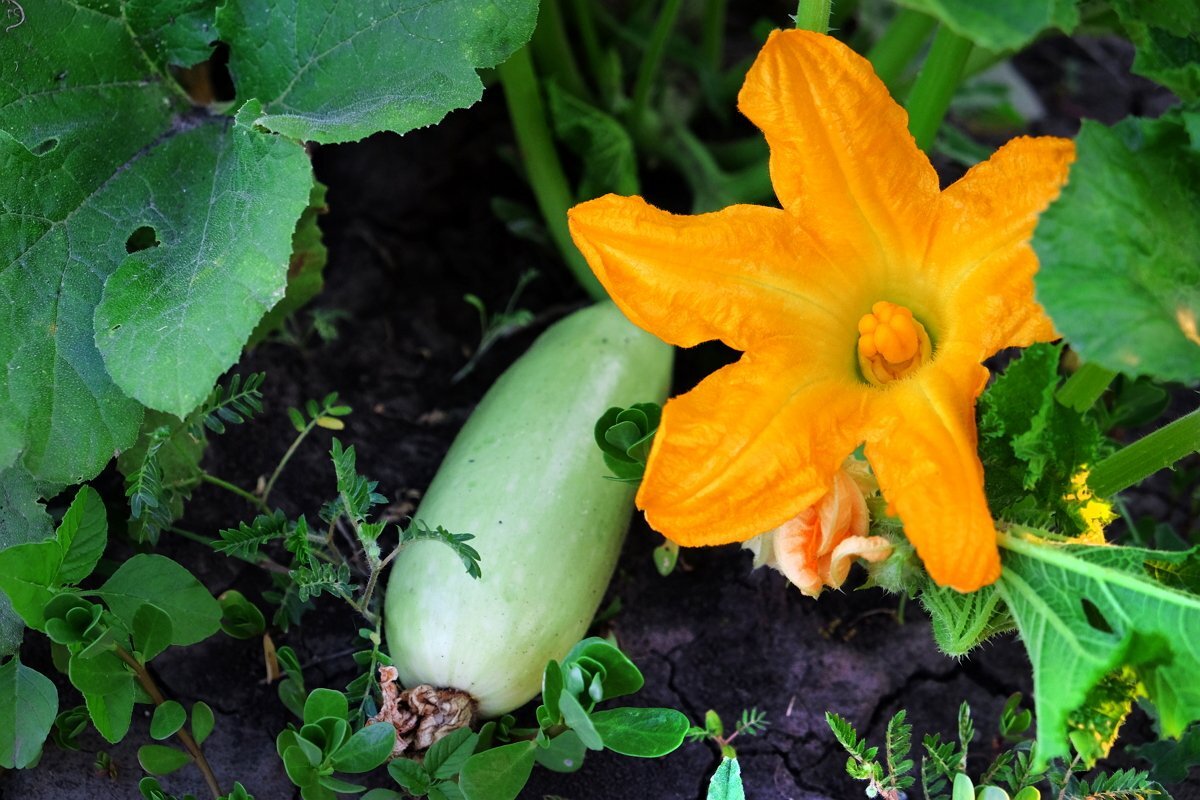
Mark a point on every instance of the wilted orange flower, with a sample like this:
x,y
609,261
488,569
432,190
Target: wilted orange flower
x,y
864,307
816,548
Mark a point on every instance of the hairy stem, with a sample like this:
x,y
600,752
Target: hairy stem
x,y
935,86
813,15
263,562
1146,456
189,744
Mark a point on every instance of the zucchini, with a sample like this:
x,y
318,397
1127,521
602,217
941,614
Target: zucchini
x,y
526,478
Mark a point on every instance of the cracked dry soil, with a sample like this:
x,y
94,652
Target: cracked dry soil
x,y
410,230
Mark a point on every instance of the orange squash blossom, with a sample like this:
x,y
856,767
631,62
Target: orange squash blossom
x,y
864,309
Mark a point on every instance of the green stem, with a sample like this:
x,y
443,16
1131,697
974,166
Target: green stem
x,y
287,456
191,745
813,15
712,38
939,77
585,23
652,61
1146,456
239,491
546,177
1085,387
552,47
899,45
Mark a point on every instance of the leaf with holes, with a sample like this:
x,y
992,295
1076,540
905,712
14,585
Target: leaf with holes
x,y
140,239
1088,611
342,72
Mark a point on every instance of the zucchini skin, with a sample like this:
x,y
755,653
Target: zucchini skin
x,y
527,479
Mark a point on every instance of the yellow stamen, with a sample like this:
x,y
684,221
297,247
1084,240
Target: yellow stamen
x,y
891,343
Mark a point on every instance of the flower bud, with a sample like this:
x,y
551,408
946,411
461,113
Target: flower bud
x,y
816,548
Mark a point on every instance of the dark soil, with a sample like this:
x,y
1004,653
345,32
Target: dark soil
x,y
410,231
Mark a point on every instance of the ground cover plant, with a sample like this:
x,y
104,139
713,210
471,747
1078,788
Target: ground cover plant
x,y
952,385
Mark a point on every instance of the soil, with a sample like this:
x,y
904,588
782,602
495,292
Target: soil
x,y
411,229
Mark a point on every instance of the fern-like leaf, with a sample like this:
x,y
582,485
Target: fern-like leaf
x,y
321,577
898,746
356,495
457,542
246,541
232,404
1124,784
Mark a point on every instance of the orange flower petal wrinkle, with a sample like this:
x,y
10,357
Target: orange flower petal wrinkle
x,y
842,159
924,455
980,247
742,275
753,445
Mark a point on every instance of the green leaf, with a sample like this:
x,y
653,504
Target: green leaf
x,y
1086,611
445,758
564,753
339,786
1167,36
605,147
578,720
305,268
1000,26
621,676
498,774
109,689
1129,300
82,535
323,703
203,722
552,687
168,719
154,320
726,783
27,572
1172,760
641,732
338,77
411,775
158,759
383,794
240,618
152,630
178,32
23,519
1033,447
366,749
148,578
28,706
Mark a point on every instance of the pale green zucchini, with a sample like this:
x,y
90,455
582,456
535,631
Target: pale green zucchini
x,y
526,478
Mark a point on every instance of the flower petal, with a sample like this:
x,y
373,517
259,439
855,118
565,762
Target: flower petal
x,y
742,274
749,448
980,246
924,455
842,159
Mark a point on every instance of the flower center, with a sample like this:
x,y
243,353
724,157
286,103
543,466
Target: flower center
x,y
891,344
